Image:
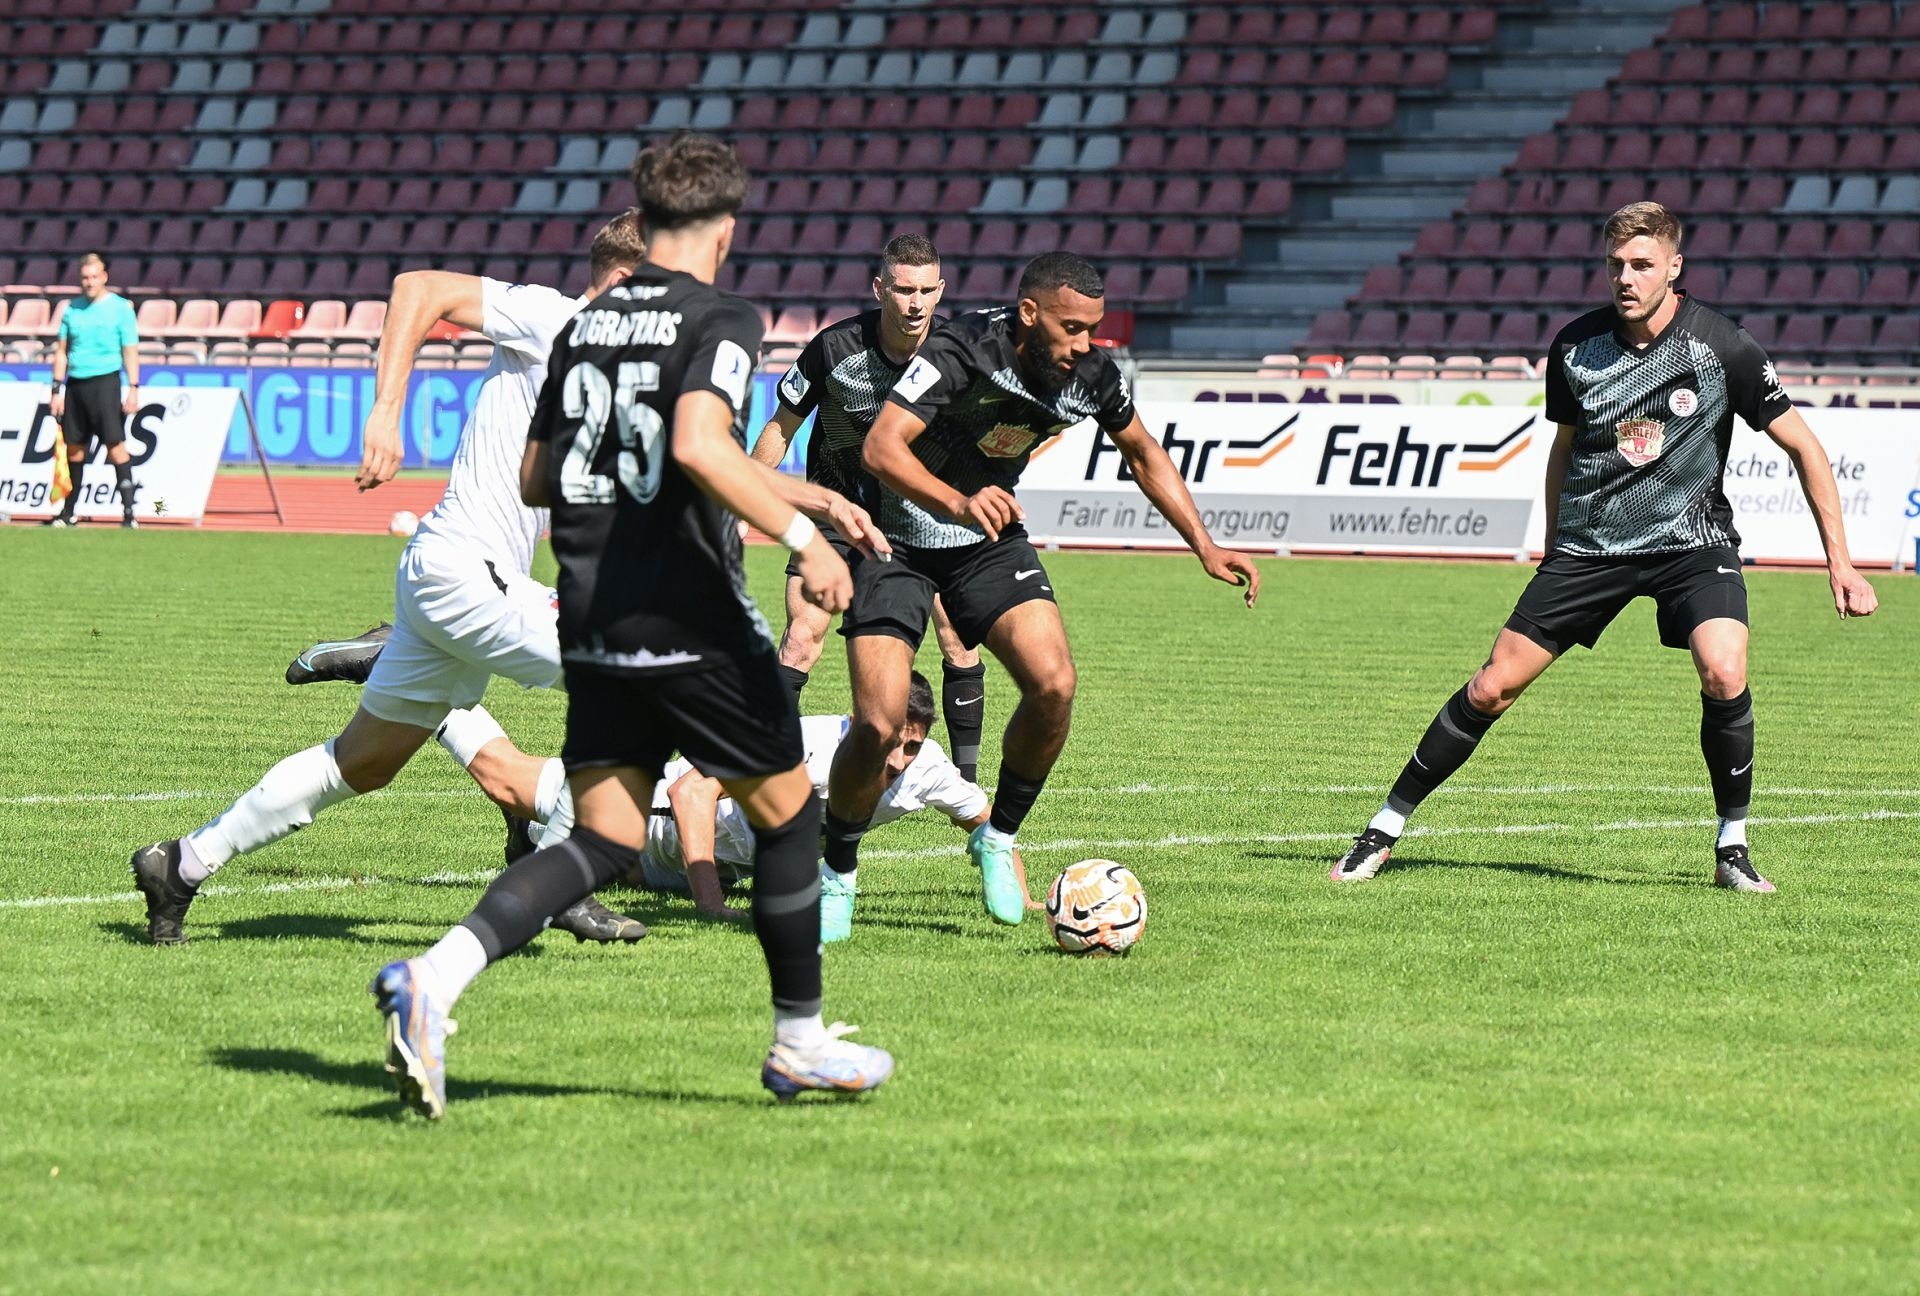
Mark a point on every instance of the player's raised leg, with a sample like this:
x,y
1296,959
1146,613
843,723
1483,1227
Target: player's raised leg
x,y
1031,642
880,667
1719,650
963,694
1516,661
363,758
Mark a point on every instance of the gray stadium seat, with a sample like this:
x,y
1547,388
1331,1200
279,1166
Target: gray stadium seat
x,y
119,38
1855,194
1099,153
536,196
723,70
287,195
1901,197
15,154
233,76
246,195
1809,193
1058,110
578,154
1048,194
257,115
893,68
936,69
1004,194
1105,110
158,39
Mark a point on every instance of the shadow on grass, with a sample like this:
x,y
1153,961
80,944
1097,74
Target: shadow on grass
x,y
1410,863
333,927
368,1077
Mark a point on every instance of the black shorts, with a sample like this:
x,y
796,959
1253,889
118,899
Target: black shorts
x,y
735,721
1572,598
840,547
93,411
978,583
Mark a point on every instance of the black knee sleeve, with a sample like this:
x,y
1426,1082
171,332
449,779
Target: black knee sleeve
x,y
786,909
535,888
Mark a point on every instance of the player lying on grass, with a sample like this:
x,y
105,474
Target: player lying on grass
x,y
1644,393
699,842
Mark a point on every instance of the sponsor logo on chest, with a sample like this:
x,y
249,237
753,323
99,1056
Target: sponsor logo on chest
x,y
1640,440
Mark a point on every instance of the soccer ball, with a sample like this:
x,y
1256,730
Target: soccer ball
x,y
404,523
1096,907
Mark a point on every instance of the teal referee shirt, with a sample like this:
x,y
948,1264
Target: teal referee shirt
x,y
94,332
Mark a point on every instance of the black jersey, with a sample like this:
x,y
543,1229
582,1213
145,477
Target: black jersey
x,y
845,375
650,575
1652,429
984,417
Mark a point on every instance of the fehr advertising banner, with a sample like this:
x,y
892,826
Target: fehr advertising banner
x,y
174,442
1412,480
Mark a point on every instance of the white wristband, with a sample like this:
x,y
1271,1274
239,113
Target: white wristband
x,y
799,533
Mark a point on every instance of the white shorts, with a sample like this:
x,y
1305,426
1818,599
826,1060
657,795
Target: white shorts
x,y
458,621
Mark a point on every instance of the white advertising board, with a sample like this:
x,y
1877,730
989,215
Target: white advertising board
x,y
174,441
1445,480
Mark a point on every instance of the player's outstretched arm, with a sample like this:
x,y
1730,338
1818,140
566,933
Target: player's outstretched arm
x,y
854,524
1852,595
1162,484
420,299
694,799
888,455
704,447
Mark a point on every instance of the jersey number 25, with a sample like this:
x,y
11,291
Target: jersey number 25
x,y
586,395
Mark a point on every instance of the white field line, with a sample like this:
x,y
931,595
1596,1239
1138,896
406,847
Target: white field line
x,y
478,876
1124,789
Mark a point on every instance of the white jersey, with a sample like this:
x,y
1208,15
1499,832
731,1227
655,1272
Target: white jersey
x,y
481,509
931,782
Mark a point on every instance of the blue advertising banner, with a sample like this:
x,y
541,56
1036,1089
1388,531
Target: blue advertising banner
x,y
314,416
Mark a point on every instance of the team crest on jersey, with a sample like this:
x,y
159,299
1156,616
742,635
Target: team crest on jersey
x,y
1683,402
1640,440
1007,441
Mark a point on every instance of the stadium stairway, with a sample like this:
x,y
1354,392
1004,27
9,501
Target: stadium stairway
x,y
1341,225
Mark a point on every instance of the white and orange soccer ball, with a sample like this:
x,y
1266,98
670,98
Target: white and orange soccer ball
x,y
1096,907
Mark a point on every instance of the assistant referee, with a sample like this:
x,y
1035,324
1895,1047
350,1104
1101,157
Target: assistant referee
x,y
98,337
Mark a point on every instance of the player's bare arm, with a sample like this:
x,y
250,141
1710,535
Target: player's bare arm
x,y
59,403
824,504
1559,459
775,437
1162,484
888,455
420,299
704,447
694,799
533,476
1852,595
130,361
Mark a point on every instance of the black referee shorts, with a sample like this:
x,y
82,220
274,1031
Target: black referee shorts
x,y
93,412
978,583
735,720
1572,598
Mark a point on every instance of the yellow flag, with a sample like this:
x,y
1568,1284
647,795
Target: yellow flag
x,y
62,478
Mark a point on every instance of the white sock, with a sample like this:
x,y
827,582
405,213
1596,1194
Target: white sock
x,y
193,869
795,1032
464,733
287,799
553,803
451,965
1733,832
1389,821
991,834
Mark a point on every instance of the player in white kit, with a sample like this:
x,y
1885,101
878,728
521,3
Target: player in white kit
x,y
465,607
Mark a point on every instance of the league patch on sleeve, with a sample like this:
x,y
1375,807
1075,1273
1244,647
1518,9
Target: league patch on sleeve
x,y
919,379
732,369
793,387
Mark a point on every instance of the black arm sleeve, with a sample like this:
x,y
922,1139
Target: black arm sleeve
x,y
1753,388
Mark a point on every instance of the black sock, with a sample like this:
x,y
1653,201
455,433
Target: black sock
x,y
1013,799
786,909
76,473
794,678
123,485
963,704
840,842
539,886
1444,748
1726,740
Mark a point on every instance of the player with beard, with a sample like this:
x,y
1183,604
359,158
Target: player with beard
x,y
948,450
1644,393
844,375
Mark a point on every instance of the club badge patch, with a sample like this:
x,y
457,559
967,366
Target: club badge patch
x,y
1683,402
1639,440
1007,441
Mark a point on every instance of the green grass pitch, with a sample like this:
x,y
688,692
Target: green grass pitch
x,y
1541,1053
